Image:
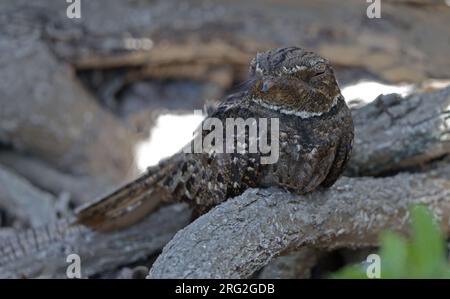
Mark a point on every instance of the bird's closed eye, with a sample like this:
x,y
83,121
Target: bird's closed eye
x,y
319,70
318,73
308,76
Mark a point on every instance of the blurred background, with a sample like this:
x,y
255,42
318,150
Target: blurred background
x,y
87,103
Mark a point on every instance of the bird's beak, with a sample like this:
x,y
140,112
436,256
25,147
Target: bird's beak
x,y
267,84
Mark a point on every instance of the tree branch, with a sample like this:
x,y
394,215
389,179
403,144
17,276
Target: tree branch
x,y
240,236
393,133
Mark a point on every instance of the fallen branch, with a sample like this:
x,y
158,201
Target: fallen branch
x,y
393,133
43,252
242,235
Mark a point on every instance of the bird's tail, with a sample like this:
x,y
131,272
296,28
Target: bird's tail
x,y
131,202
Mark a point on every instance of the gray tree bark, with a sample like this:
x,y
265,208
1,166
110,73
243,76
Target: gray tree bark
x,y
42,252
242,235
392,133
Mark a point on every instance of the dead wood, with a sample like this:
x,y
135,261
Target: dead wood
x,y
393,133
42,252
242,235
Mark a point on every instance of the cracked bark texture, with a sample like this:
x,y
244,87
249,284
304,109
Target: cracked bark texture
x,y
42,252
243,234
393,133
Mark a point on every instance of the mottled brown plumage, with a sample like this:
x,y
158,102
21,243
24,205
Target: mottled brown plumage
x,y
315,141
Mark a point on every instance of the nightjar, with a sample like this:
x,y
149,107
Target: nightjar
x,y
314,141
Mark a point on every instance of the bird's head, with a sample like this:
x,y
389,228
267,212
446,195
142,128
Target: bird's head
x,y
293,81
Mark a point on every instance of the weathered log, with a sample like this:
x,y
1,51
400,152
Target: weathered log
x,y
240,236
393,133
43,252
22,200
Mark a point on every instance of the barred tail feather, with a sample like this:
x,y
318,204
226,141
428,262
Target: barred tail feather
x,y
130,203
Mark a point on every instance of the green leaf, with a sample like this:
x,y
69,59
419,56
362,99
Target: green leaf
x,y
427,252
394,256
